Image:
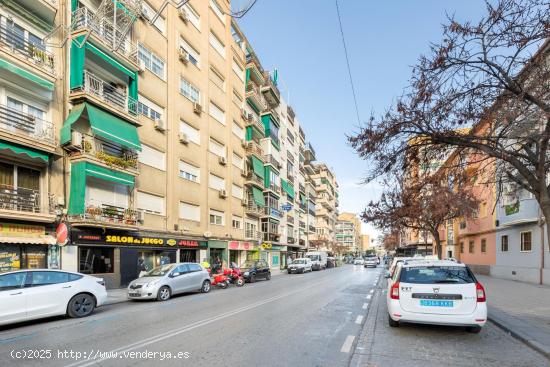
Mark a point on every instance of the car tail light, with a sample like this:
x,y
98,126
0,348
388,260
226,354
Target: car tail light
x,y
480,293
394,291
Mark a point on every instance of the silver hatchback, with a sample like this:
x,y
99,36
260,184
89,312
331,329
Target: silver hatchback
x,y
166,280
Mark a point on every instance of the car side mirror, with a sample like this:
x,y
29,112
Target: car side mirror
x,y
387,274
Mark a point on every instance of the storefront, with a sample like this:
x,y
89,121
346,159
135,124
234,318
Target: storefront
x,y
26,246
240,251
295,252
119,256
217,250
274,255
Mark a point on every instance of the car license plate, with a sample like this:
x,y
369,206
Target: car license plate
x,y
135,294
435,303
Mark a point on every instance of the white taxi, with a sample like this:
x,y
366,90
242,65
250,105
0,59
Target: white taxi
x,y
438,292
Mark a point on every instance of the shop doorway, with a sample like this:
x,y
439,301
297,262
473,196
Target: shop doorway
x,y
253,255
188,256
234,257
129,266
216,253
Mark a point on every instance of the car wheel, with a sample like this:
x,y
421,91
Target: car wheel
x,y
81,305
164,293
392,322
288,271
268,276
240,282
205,288
252,278
473,329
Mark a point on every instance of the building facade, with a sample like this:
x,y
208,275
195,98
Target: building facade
x,y
348,233
132,139
326,207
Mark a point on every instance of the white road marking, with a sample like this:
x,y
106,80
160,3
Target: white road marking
x,y
369,296
347,344
365,306
371,291
170,334
359,320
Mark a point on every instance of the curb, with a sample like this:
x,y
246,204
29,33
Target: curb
x,y
521,337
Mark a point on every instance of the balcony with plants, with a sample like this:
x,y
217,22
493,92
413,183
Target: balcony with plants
x,y
270,91
108,214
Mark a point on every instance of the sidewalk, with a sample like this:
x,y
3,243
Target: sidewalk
x,y
522,309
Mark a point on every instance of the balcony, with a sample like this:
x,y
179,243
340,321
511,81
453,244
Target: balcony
x,y
252,147
311,229
290,177
302,224
256,72
290,240
290,219
301,188
15,123
271,237
254,121
275,188
270,159
270,92
105,92
252,235
253,209
18,45
254,96
309,152
114,39
107,153
104,214
254,179
273,212
25,201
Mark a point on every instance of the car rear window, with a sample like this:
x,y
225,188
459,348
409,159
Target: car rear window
x,y
436,274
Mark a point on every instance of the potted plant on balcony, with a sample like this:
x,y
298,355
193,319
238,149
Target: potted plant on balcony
x,y
130,216
94,212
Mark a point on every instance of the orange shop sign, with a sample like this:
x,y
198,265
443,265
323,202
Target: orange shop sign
x,y
21,230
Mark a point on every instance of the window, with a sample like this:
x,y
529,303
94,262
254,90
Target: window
x,y
504,243
237,68
48,277
100,193
152,157
483,209
238,161
95,260
238,130
150,61
216,182
217,10
461,247
194,56
483,245
192,134
194,17
526,245
12,281
217,79
217,113
237,222
149,109
237,99
150,203
189,172
149,13
251,230
217,44
189,91
463,224
217,217
190,212
217,148
237,191
471,247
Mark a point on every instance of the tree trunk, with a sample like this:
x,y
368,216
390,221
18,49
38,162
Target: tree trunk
x,y
545,208
437,240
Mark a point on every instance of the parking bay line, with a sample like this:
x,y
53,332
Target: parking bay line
x,y
359,319
347,344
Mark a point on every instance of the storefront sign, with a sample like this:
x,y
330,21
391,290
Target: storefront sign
x,y
62,234
21,230
135,239
266,246
238,245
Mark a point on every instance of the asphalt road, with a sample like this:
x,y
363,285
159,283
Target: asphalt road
x,y
327,318
304,320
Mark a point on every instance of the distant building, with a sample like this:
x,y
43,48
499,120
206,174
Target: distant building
x,y
348,232
365,242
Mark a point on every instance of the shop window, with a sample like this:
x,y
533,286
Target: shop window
x,y
96,260
215,254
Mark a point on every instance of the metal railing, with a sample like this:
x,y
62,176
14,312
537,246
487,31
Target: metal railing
x,y
252,91
17,122
311,228
275,188
302,224
274,237
269,158
83,18
301,187
274,212
251,234
270,85
290,177
253,208
252,147
18,44
23,200
290,240
251,176
109,153
108,214
290,219
115,97
252,120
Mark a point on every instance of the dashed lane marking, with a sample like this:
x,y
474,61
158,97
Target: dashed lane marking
x,y
365,306
369,296
347,344
359,320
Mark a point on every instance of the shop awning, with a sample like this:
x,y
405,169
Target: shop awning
x,y
104,124
24,151
288,188
257,166
25,74
44,240
258,196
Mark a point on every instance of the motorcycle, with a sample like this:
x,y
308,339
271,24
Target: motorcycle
x,y
234,276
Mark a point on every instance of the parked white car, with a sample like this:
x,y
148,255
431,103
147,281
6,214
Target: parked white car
x,y
300,265
371,261
438,292
359,261
318,258
38,293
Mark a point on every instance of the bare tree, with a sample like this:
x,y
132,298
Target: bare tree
x,y
484,89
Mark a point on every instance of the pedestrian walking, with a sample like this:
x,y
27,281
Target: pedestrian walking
x,y
142,268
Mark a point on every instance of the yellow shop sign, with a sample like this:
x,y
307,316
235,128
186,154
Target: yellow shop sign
x,y
21,230
266,246
131,240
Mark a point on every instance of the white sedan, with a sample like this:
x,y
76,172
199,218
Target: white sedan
x,y
38,293
300,266
440,292
358,261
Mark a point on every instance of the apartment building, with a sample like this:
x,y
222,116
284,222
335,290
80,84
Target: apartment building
x,y
326,206
365,242
348,233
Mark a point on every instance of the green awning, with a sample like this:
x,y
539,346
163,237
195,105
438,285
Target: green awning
x,y
104,124
257,166
25,74
20,150
258,196
79,172
288,188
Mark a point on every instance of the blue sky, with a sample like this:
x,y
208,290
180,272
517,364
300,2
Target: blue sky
x,y
384,38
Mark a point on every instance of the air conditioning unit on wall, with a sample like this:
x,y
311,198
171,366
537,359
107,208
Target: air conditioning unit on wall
x,y
160,125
